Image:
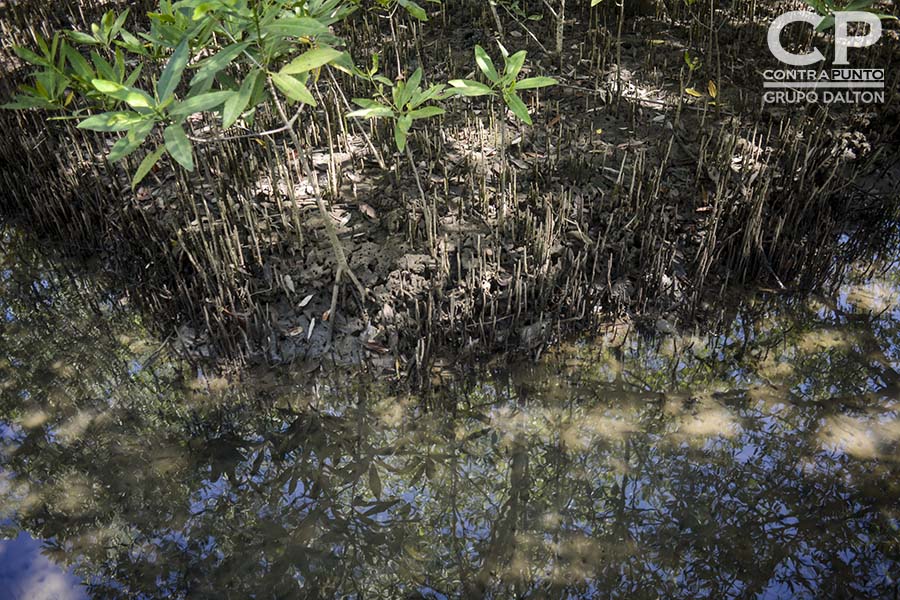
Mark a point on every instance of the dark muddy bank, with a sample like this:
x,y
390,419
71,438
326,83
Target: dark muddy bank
x,y
626,198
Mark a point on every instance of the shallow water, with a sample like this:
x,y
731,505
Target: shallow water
x,y
757,461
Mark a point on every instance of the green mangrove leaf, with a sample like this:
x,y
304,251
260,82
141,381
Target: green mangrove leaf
x,y
414,10
426,112
432,93
535,82
133,97
204,8
212,65
53,83
200,103
179,146
298,27
238,102
30,57
130,142
42,45
310,60
82,38
117,26
293,88
370,109
112,121
399,137
131,79
517,107
826,24
410,88
119,65
145,166
344,63
24,101
80,65
131,43
486,65
514,65
104,69
468,87
401,129
171,74
397,90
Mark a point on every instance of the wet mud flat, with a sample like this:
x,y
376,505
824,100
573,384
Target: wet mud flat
x,y
628,199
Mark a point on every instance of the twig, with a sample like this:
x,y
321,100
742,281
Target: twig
x,y
269,133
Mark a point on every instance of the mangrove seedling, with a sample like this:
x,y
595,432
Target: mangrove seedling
x,y
506,85
405,103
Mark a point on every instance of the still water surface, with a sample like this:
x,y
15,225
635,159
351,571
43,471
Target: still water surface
x,y
758,461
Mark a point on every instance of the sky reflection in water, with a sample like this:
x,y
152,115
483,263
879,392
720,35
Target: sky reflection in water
x,y
25,572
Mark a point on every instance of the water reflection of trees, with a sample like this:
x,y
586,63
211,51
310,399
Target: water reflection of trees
x,y
641,471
